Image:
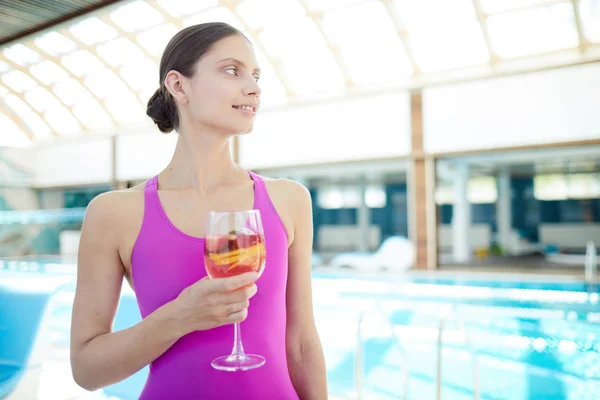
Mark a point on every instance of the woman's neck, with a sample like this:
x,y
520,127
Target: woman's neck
x,y
201,162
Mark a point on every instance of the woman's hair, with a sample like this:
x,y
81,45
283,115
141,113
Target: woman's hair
x,y
181,54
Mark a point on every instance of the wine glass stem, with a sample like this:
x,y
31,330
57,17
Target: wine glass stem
x,y
238,348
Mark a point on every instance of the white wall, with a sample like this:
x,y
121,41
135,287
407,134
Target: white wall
x,y
143,155
68,163
16,167
20,198
16,175
21,157
551,106
52,199
570,235
352,129
74,163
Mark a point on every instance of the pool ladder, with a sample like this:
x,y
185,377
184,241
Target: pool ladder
x,y
461,326
358,359
591,263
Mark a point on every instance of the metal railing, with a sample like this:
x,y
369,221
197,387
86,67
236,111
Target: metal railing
x,y
591,263
461,327
359,358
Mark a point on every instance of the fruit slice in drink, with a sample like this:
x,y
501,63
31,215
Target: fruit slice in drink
x,y
234,254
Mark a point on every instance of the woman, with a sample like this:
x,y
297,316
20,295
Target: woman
x,y
152,235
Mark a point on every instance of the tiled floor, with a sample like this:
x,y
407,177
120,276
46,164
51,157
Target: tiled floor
x,y
56,382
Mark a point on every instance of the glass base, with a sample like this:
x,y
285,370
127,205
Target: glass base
x,y
238,363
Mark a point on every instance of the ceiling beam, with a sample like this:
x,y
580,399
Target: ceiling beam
x,y
129,35
528,7
21,95
482,72
17,121
482,18
317,18
94,52
583,43
178,22
79,79
403,34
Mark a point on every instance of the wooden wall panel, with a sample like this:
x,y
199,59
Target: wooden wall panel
x,y
422,212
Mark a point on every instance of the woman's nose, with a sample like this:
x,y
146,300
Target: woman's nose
x,y
252,89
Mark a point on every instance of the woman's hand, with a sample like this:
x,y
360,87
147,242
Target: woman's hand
x,y
210,303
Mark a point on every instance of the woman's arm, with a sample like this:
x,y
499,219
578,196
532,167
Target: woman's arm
x,y
306,362
100,357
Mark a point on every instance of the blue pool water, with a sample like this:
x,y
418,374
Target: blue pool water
x,y
532,340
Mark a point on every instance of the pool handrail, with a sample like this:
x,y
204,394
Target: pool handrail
x,y
358,359
459,323
591,262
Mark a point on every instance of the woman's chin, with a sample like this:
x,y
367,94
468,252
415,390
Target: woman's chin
x,y
239,131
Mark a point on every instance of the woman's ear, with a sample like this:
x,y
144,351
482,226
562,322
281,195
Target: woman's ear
x,y
174,84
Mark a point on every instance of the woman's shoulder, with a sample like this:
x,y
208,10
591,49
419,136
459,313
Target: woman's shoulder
x,y
292,202
286,188
116,205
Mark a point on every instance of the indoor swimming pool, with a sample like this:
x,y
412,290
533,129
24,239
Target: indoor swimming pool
x,y
497,338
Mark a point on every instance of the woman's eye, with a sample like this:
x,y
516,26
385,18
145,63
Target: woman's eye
x,y
232,69
257,78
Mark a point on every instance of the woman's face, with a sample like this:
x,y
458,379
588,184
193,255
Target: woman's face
x,y
223,93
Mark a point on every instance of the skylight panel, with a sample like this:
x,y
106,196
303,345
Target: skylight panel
x,y
260,13
48,72
18,81
55,44
498,6
41,99
154,40
92,31
136,16
12,135
589,11
91,114
307,61
125,108
22,55
385,62
217,14
180,8
448,38
140,73
17,105
273,91
70,91
82,63
120,51
105,83
62,121
513,35
325,5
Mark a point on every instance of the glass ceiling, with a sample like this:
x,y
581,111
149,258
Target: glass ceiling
x,y
94,75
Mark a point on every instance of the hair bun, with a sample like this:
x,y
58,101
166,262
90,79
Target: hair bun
x,y
160,112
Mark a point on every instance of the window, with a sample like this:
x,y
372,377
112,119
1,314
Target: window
x,y
569,186
481,190
375,196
